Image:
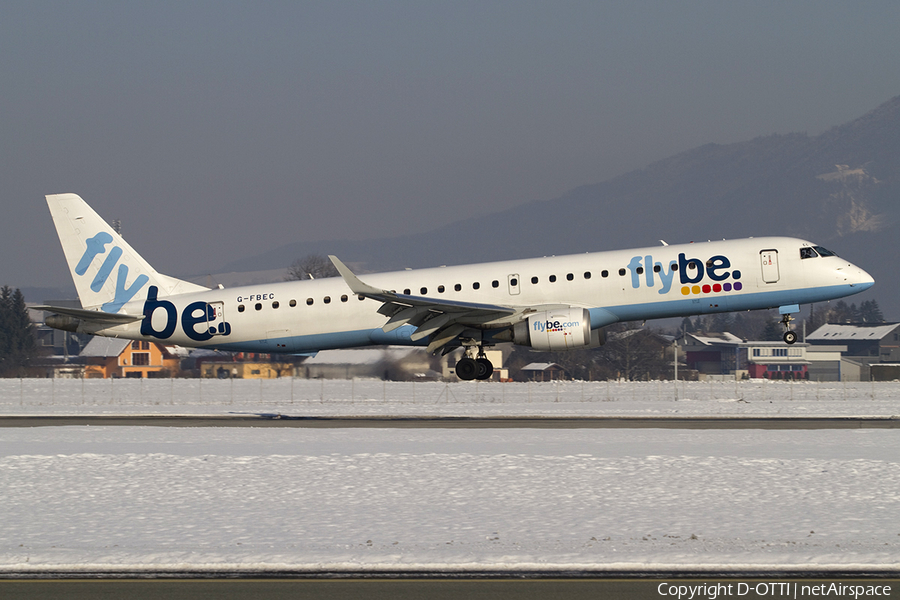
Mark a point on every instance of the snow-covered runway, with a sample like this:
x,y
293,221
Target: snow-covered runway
x,y
97,498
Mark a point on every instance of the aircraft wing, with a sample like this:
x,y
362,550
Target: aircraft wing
x,y
438,317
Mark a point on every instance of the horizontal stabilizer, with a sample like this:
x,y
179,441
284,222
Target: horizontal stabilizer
x,y
90,316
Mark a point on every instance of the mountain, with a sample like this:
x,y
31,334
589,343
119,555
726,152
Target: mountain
x,y
839,189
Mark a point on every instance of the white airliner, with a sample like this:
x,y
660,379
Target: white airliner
x,y
551,303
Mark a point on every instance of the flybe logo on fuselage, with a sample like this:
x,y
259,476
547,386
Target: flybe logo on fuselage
x,y
695,276
199,320
96,246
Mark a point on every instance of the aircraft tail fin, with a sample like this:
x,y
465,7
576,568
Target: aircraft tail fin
x,y
106,269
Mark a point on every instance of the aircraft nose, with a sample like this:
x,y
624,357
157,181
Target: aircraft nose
x,y
861,279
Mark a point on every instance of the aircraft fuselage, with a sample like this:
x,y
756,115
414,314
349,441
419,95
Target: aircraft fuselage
x,y
624,285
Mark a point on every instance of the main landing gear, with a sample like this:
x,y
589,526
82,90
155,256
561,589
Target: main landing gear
x,y
477,367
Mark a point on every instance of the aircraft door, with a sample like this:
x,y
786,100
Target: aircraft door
x,y
513,281
769,262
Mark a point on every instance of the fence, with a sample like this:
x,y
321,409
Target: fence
x,y
249,392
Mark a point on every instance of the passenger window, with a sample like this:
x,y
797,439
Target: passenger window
x,y
534,280
440,289
309,301
514,282
240,308
457,287
476,285
407,292
344,298
587,274
361,297
622,272
674,266
570,277
604,274
258,306
423,290
553,279
327,300
495,283
657,268
640,270
293,303
275,304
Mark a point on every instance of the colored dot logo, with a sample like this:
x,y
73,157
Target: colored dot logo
x,y
715,288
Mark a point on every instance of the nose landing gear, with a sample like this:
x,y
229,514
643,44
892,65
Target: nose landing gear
x,y
790,336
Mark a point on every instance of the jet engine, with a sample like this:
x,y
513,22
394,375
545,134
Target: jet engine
x,y
553,330
64,322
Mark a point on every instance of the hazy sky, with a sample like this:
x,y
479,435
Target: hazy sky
x,y
217,130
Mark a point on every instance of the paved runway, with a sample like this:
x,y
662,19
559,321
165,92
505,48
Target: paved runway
x,y
510,586
388,422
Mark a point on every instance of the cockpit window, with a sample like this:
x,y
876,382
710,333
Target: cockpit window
x,y
824,251
807,253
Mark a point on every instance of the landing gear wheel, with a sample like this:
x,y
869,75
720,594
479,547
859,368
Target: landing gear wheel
x,y
789,336
485,369
467,369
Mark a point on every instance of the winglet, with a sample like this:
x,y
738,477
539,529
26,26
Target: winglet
x,y
389,296
355,284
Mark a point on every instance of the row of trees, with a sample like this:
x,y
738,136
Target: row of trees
x,y
840,312
17,334
766,325
630,352
642,353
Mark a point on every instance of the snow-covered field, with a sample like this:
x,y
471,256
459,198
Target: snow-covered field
x,y
179,498
371,397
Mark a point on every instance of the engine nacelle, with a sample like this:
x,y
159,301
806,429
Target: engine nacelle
x,y
63,322
553,330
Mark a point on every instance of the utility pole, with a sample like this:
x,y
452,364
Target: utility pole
x,y
675,345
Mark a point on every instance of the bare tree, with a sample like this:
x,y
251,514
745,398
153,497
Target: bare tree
x,y
311,266
630,353
633,353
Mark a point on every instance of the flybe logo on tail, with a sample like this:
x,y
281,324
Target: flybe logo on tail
x,y
97,246
695,276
